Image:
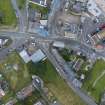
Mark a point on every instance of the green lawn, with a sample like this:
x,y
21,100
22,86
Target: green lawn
x,y
7,15
55,83
17,78
97,89
21,3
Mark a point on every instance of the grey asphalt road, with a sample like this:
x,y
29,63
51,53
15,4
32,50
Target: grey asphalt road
x,y
18,15
57,5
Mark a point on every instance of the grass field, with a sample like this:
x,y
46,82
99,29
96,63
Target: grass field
x,y
15,72
21,3
55,83
95,84
7,12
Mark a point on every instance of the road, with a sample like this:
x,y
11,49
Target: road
x,y
57,6
18,15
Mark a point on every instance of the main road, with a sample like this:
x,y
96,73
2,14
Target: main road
x,y
18,15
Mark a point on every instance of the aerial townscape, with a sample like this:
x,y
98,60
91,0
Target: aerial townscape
x,y
52,52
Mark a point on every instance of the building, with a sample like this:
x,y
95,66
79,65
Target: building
x,y
25,92
79,7
68,34
35,57
39,2
101,34
11,102
24,55
39,103
2,93
58,44
43,22
93,8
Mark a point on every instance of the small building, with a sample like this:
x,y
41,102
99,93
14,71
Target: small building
x,y
78,7
58,44
24,55
68,34
2,93
39,103
37,56
39,2
93,8
25,92
43,22
11,102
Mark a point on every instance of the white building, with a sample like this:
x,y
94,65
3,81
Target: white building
x,y
93,8
36,57
38,103
24,55
43,22
59,44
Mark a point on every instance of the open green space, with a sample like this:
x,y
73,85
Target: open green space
x,y
54,83
7,15
95,84
21,3
15,71
17,75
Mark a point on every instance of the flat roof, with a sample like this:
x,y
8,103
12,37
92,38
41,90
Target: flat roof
x,y
24,55
37,56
